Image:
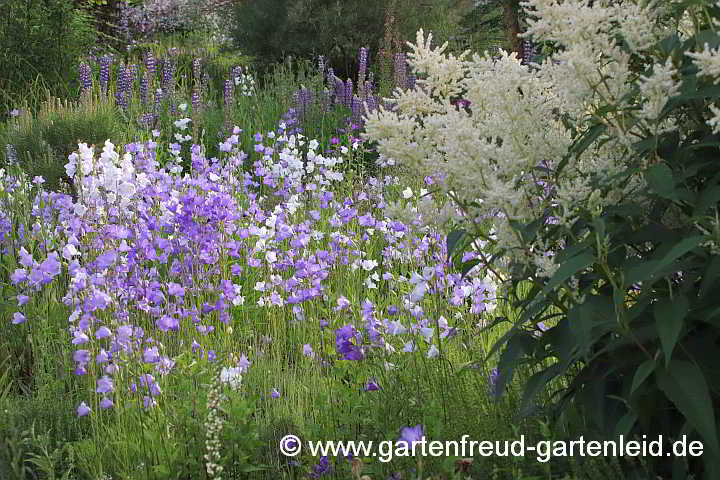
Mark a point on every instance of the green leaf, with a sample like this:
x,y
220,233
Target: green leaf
x,y
452,241
669,316
641,374
518,345
567,269
708,198
660,179
686,387
591,320
537,382
625,424
649,269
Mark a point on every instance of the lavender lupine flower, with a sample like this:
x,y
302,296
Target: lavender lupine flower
x,y
10,154
528,52
144,88
129,78
348,93
105,63
150,64
85,74
120,89
228,93
400,71
358,110
168,72
196,71
363,63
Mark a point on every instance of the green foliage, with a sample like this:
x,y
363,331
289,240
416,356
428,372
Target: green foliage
x,y
39,42
43,141
633,306
272,30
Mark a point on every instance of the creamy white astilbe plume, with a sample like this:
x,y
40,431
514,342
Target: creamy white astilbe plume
x,y
515,123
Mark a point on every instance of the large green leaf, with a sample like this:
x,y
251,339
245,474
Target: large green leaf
x,y
649,269
519,345
538,382
452,241
641,374
567,269
591,320
686,387
669,317
660,180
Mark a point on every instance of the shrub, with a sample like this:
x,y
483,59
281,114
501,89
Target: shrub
x,y
43,142
273,29
39,42
593,177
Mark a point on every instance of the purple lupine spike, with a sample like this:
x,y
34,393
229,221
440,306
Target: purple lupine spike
x,y
372,103
120,88
400,73
237,71
528,52
321,64
324,100
144,88
358,110
105,62
195,99
168,71
370,84
159,94
411,81
196,70
331,76
338,91
85,74
129,76
348,93
10,154
303,100
228,93
362,71
150,64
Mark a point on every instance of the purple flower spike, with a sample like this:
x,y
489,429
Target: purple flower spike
x,y
274,393
18,318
